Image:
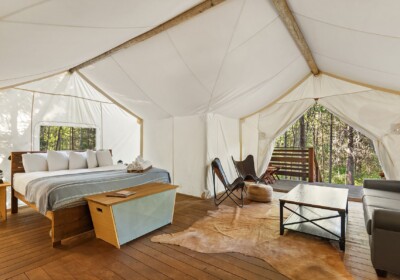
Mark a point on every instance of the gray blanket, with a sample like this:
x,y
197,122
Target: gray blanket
x,y
52,193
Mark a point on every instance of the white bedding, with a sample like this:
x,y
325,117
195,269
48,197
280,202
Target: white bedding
x,y
21,180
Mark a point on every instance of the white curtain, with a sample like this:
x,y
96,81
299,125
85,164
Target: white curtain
x,y
373,113
273,122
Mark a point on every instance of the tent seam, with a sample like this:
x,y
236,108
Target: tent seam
x,y
76,26
261,83
184,62
356,65
324,97
136,84
254,35
225,55
59,71
276,100
344,27
23,9
65,95
101,91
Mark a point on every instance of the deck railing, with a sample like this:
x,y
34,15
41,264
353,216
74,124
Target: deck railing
x,y
300,163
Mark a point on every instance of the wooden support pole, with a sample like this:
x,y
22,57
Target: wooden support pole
x,y
288,19
203,6
311,168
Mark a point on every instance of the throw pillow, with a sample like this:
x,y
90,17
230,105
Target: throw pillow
x,y
35,162
91,159
104,158
57,160
77,160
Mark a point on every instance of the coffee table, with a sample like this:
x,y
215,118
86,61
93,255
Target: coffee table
x,y
320,211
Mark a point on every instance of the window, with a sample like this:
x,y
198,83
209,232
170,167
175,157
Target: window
x,y
67,138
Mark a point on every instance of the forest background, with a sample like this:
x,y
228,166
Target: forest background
x,y
344,155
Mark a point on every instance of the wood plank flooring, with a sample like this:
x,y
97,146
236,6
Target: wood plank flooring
x,y
26,252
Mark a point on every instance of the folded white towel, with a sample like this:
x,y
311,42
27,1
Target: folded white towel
x,y
139,164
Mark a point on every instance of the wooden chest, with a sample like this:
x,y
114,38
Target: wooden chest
x,y
119,220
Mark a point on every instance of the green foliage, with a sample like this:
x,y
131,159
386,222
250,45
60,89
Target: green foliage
x,y
317,127
67,138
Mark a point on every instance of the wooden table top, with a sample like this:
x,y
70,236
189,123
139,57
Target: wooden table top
x,y
317,196
141,191
5,184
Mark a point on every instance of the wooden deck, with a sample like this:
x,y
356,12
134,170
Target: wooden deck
x,y
26,252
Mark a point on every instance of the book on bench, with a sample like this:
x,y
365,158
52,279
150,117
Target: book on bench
x,y
121,194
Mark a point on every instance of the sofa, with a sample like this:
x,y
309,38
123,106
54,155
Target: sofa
x,y
381,203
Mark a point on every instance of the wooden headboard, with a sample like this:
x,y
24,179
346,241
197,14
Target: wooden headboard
x,y
16,162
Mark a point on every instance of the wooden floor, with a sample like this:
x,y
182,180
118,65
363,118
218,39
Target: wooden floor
x,y
25,252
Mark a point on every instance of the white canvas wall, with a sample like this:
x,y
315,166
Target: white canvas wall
x,y
185,146
190,154
158,143
179,146
15,125
250,137
223,141
121,133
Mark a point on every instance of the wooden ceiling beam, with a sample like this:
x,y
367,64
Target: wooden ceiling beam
x,y
203,6
288,19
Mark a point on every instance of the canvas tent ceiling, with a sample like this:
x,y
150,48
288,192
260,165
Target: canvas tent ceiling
x,y
196,64
217,67
40,37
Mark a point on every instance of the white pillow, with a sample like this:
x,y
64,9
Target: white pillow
x,y
77,160
57,160
35,162
91,159
104,158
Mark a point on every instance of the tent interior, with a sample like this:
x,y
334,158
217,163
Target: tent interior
x,y
200,87
224,82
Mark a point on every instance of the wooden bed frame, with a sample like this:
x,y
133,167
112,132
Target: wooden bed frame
x,y
66,222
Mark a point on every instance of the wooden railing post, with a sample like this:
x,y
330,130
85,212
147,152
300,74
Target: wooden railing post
x,y
311,168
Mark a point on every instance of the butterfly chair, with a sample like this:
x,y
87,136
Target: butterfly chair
x,y
246,170
238,184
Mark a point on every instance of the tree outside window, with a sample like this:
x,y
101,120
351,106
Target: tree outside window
x,y
67,138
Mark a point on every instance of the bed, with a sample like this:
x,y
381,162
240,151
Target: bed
x,y
59,195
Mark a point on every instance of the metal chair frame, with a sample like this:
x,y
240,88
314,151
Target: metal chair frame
x,y
247,171
238,184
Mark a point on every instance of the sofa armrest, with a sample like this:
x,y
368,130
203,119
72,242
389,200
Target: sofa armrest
x,y
383,185
386,219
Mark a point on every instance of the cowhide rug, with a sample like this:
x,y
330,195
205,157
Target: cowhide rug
x,y
254,231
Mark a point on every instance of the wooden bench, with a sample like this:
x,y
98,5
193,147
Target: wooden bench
x,y
119,220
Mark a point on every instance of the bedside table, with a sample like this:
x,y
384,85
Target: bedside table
x,y
3,200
